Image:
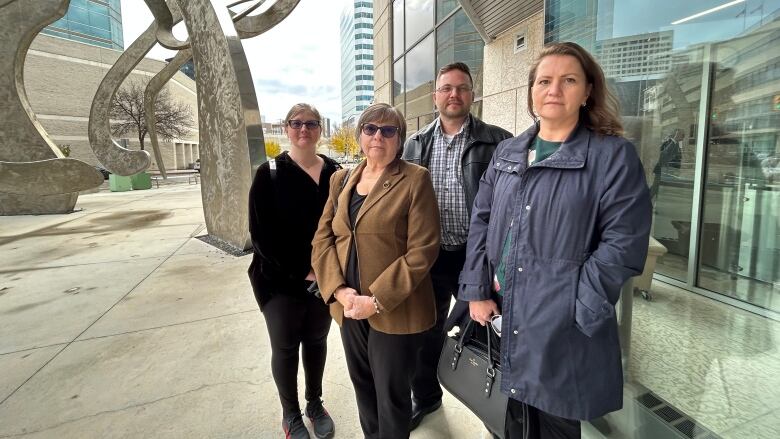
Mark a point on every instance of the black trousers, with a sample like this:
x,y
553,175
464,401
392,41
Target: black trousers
x,y
541,425
378,365
293,322
444,275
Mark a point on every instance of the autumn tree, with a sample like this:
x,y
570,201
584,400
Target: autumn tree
x,y
174,119
272,148
344,142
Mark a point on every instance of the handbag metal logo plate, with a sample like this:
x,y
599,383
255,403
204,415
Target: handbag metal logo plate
x,y
473,362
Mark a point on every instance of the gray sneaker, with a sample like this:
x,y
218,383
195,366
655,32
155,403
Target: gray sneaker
x,y
294,428
320,420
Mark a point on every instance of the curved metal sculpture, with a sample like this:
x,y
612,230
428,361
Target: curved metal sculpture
x,y
165,22
114,157
253,25
153,89
35,178
231,142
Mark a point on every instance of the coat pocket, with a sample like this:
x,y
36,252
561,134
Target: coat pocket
x,y
591,311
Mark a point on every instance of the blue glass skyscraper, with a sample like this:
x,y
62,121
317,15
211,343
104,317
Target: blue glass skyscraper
x,y
96,22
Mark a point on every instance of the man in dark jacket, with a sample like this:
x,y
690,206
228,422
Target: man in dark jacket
x,y
456,148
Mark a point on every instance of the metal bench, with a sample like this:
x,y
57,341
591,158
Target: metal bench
x,y
192,178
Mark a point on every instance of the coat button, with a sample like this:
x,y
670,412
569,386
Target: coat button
x,y
520,269
515,332
513,391
528,207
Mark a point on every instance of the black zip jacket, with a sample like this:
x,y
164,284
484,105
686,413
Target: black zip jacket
x,y
474,159
284,210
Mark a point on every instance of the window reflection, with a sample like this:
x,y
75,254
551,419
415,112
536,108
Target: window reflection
x,y
457,40
419,20
420,78
398,28
444,7
740,246
398,85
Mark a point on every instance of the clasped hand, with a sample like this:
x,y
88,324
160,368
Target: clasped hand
x,y
356,307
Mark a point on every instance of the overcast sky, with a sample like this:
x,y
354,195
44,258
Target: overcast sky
x,y
296,61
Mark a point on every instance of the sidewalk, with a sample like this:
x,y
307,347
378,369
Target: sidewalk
x,y
116,322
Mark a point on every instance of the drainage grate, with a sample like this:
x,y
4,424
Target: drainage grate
x,y
693,430
649,400
674,417
668,414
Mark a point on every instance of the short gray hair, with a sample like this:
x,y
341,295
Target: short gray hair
x,y
382,112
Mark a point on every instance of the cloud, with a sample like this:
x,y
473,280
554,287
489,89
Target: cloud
x,y
299,60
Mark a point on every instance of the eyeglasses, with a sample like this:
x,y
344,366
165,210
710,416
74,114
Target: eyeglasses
x,y
495,323
387,132
298,124
447,89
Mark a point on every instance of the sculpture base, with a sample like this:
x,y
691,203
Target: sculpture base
x,y
15,204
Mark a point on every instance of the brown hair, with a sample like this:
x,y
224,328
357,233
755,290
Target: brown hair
x,y
600,113
456,66
300,108
382,112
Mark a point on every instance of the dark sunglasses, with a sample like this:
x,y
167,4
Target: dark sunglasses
x,y
370,129
298,124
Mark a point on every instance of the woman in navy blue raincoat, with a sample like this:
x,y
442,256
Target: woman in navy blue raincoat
x,y
560,222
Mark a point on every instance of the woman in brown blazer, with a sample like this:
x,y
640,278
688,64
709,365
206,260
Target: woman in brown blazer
x,y
376,242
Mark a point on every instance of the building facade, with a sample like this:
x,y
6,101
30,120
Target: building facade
x,y
357,58
95,22
416,38
704,353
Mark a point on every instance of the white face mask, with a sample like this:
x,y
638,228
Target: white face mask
x,y
495,323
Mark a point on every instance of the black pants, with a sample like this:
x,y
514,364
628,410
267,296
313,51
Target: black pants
x,y
292,322
444,274
541,425
378,365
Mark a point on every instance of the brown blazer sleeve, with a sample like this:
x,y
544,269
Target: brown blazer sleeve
x,y
403,276
324,258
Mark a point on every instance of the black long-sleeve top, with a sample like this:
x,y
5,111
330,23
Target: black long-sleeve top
x,y
284,211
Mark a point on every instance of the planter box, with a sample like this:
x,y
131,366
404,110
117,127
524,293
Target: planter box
x,y
119,183
141,181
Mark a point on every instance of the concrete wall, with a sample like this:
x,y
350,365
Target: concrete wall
x,y
506,75
61,78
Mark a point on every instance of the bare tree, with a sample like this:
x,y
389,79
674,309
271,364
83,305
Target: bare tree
x,y
174,119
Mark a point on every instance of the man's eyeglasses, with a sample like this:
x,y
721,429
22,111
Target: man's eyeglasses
x,y
387,132
447,89
298,124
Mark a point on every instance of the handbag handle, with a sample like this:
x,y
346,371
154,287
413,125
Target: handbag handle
x,y
490,372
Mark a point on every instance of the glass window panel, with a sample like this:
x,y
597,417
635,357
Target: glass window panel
x,y
399,89
99,20
420,78
457,40
740,239
398,28
444,7
419,20
661,58
79,15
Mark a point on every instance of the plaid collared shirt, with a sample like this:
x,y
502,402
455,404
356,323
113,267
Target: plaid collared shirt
x,y
447,179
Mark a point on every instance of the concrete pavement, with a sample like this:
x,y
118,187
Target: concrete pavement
x,y
116,322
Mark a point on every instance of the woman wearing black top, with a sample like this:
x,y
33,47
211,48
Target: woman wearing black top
x,y
285,204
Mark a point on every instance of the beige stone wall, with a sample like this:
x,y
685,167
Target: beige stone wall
x,y
506,75
383,62
61,78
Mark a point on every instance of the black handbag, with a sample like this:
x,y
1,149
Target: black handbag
x,y
470,370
